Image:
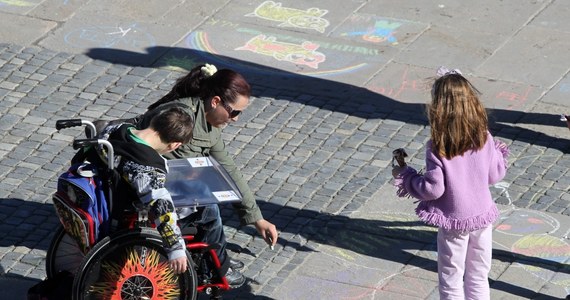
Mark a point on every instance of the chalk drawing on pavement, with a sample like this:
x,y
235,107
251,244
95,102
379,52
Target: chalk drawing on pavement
x,y
515,98
405,85
381,31
378,30
16,3
548,248
199,40
523,222
129,36
291,17
301,54
415,83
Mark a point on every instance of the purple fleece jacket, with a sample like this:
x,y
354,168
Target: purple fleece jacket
x,y
454,192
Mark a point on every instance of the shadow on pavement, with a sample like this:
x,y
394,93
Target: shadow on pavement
x,y
27,224
401,239
354,100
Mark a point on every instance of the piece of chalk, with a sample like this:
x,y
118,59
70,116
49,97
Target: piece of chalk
x,y
563,118
271,246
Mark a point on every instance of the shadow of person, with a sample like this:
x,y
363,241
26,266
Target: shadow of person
x,y
329,94
27,224
400,239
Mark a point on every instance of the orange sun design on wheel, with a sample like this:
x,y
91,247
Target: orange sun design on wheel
x,y
137,276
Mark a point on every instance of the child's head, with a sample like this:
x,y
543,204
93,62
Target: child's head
x,y
457,118
174,126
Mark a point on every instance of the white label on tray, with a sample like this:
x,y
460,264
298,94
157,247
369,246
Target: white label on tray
x,y
199,162
225,196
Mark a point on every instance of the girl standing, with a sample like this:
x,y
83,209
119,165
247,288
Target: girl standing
x,y
462,160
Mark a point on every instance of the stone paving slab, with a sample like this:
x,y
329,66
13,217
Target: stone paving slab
x,y
502,18
29,29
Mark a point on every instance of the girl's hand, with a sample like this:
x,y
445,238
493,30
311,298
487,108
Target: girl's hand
x,y
397,170
501,145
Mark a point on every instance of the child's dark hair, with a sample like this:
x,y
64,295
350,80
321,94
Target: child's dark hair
x,y
173,125
457,118
225,83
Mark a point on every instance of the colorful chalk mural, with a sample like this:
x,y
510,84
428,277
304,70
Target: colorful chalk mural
x,y
300,54
291,17
381,31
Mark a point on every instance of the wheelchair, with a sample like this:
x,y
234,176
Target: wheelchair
x,y
129,262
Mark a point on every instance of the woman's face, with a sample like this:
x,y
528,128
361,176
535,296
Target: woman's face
x,y
222,113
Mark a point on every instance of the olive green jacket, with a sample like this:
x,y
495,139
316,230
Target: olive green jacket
x,y
207,141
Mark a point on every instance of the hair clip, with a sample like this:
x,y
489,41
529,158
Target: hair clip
x,y
442,71
208,70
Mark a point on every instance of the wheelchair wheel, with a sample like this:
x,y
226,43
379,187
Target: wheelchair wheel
x,y
63,254
132,265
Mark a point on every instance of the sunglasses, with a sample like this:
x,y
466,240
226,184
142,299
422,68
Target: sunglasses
x,y
232,112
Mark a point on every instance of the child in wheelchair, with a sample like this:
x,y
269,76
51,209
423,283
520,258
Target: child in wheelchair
x,y
143,173
126,261
130,257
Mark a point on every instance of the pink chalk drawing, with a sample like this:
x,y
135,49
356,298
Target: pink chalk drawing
x,y
514,99
303,54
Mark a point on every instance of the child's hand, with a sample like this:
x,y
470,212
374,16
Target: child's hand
x,y
501,145
397,170
179,265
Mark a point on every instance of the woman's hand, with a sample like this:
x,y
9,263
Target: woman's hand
x,y
268,231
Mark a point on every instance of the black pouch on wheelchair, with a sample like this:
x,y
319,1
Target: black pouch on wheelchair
x,y
55,288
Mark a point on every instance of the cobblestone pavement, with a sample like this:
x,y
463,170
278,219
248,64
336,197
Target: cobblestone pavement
x,y
314,149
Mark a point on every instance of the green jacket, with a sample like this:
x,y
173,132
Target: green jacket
x,y
207,141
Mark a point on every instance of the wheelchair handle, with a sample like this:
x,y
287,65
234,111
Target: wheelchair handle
x,y
60,124
81,143
68,123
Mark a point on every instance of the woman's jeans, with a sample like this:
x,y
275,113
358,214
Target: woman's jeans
x,y
210,230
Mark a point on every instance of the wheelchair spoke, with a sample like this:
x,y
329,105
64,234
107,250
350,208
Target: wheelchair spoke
x,y
137,287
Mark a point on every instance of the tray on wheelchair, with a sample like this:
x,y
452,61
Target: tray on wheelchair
x,y
200,181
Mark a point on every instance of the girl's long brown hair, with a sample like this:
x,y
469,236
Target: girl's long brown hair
x,y
457,118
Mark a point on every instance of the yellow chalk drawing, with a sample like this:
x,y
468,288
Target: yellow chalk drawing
x,y
17,2
544,247
292,17
344,254
303,54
